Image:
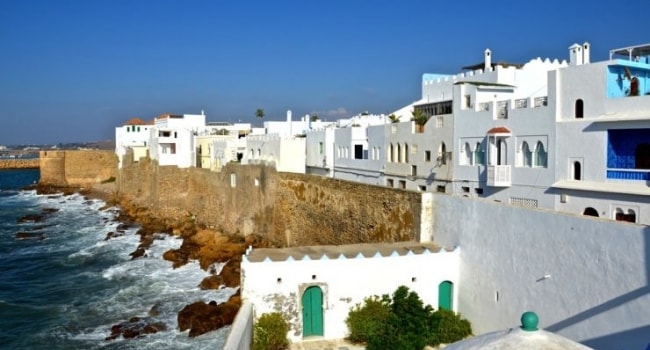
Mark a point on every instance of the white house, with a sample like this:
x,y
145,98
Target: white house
x,y
307,286
172,139
134,134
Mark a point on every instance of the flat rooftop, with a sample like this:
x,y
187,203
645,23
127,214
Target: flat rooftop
x,y
349,251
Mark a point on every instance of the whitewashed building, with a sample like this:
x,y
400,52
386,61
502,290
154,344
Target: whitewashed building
x,y
306,285
134,134
172,139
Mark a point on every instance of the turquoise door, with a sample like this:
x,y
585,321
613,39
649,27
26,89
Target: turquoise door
x,y
445,295
312,312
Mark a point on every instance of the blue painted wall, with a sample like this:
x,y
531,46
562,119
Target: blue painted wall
x,y
619,86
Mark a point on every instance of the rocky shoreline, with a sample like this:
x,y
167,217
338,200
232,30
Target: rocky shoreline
x,y
207,246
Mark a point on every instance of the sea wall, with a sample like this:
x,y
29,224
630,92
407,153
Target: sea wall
x,y
77,168
287,209
19,163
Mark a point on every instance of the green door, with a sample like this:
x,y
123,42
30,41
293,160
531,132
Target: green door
x,y
312,312
445,295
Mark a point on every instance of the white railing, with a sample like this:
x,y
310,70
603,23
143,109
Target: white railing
x,y
240,336
499,175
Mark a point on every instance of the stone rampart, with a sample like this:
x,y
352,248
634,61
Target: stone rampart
x,y
288,209
19,163
77,168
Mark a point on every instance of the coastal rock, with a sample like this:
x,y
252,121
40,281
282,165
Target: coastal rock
x,y
31,218
201,318
136,327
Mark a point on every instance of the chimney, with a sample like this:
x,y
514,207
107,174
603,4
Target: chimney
x,y
289,122
488,60
575,55
585,53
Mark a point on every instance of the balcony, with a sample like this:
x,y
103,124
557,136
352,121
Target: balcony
x,y
499,175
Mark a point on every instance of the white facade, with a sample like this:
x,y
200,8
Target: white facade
x,y
319,148
134,135
285,154
172,139
278,283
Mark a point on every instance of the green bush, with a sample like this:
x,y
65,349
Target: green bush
x,y
366,321
270,332
403,322
448,327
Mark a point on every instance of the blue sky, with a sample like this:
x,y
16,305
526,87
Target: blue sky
x,y
74,70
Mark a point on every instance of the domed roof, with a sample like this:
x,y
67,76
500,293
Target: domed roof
x,y
528,336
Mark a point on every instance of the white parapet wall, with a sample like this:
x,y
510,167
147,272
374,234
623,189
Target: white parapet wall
x,y
587,278
276,280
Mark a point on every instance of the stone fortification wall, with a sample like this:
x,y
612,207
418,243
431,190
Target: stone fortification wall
x,y
288,209
87,167
77,168
19,163
52,168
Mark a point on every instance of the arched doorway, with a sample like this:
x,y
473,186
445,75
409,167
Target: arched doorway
x,y
589,211
445,295
312,312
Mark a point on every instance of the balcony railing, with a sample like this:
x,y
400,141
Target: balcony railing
x,y
499,175
628,174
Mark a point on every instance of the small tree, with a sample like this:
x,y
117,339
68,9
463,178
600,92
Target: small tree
x,y
393,118
420,119
259,113
270,332
315,117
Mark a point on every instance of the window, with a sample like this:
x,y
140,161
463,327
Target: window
x,y
390,153
540,155
442,154
440,122
399,153
478,190
468,101
389,183
479,155
465,189
629,216
440,188
358,151
406,153
414,170
402,184
469,155
527,156
579,109
422,188
321,148
427,156
577,174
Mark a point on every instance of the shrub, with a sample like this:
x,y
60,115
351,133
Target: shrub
x,y
403,322
448,327
366,321
270,332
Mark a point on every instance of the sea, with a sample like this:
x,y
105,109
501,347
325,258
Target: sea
x,y
63,285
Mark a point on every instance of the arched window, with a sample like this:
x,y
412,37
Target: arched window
x,y
252,153
259,153
406,153
442,153
390,153
579,109
479,155
399,153
502,148
526,155
577,171
589,211
469,158
631,216
539,158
